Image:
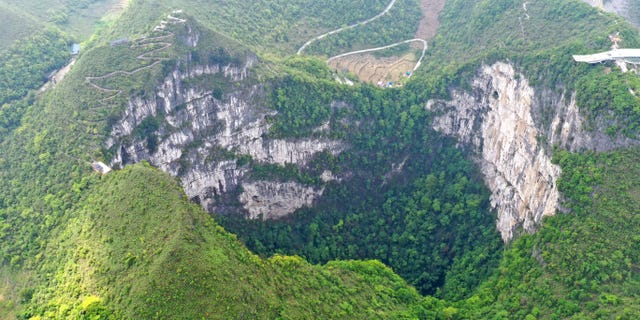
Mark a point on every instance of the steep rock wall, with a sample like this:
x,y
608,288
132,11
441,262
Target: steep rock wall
x,y
276,199
510,128
199,136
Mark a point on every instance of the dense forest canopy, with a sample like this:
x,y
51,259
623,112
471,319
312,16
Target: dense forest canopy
x,y
405,231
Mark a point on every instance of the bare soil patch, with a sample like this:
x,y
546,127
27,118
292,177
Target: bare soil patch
x,y
429,24
388,71
369,68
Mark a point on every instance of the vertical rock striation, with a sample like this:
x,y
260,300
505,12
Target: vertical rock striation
x,y
510,128
267,200
198,134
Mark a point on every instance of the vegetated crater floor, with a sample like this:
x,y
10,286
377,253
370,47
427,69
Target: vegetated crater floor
x,y
394,69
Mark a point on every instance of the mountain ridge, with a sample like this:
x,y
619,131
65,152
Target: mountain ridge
x,y
130,244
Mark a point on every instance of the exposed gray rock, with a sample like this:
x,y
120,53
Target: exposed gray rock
x,y
328,176
510,129
199,135
206,182
567,126
595,3
272,199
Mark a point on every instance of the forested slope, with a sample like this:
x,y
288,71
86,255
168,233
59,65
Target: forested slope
x,y
130,245
578,266
36,40
78,18
18,24
136,248
540,38
71,252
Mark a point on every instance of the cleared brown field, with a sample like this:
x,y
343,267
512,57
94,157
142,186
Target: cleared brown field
x,y
372,69
369,68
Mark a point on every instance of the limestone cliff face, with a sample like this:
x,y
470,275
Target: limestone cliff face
x,y
510,128
276,199
198,133
620,7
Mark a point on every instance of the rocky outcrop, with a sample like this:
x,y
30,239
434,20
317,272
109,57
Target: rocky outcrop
x,y
495,120
510,128
620,7
567,126
272,199
197,132
206,183
595,3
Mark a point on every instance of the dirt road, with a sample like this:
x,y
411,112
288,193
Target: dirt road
x,y
389,6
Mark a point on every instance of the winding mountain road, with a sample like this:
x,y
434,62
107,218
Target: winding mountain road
x,y
424,50
143,56
148,56
389,6
385,11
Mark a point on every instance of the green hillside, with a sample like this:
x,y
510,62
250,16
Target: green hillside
x,y
70,232
17,25
130,244
137,249
281,26
36,40
578,266
78,18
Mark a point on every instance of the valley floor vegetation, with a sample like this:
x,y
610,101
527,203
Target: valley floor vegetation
x,y
415,243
